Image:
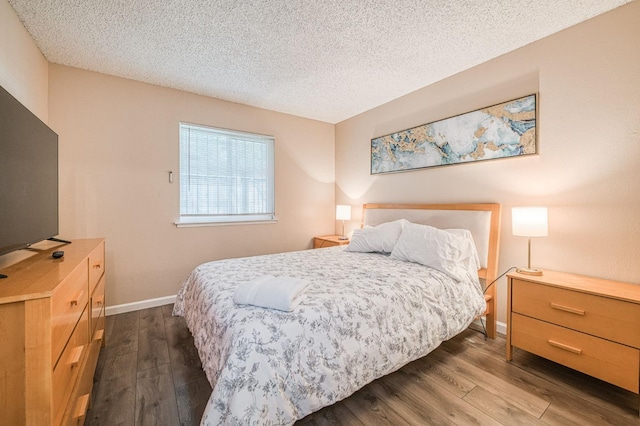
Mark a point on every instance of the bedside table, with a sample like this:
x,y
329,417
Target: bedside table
x,y
328,241
591,325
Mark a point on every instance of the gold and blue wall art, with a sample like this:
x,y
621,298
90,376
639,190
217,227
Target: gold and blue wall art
x,y
499,131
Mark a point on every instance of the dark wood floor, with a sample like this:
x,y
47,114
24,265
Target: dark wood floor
x,y
150,374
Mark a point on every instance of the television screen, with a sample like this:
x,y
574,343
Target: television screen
x,y
28,177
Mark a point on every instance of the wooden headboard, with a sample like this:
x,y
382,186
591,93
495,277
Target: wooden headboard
x,y
483,220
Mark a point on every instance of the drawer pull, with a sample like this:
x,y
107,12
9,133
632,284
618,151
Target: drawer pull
x,y
99,335
99,300
567,309
75,358
81,408
74,300
565,347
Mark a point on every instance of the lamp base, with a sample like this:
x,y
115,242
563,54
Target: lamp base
x,y
529,271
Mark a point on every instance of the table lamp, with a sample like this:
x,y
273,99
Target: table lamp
x,y
343,213
529,222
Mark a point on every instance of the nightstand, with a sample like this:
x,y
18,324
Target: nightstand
x,y
591,325
328,241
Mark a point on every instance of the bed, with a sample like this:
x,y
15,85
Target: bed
x,y
364,315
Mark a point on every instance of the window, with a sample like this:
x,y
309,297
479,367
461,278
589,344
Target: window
x,y
225,176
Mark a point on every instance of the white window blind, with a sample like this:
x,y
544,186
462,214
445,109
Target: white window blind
x,y
225,176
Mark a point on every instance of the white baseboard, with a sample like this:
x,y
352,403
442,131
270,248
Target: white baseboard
x,y
136,306
501,328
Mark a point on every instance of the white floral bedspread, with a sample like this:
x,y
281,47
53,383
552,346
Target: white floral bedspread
x,y
364,316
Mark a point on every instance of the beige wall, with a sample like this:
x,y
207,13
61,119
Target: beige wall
x,y
119,140
588,170
23,69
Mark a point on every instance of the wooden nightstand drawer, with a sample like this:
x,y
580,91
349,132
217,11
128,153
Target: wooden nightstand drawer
x,y
328,241
609,361
610,319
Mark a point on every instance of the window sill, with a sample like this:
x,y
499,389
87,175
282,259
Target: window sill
x,y
192,223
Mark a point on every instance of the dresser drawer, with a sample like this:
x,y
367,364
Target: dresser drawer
x,y
77,410
81,395
99,332
97,304
609,361
69,299
96,265
69,366
610,319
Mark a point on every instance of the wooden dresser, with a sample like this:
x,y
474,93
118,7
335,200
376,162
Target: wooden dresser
x,y
591,325
51,332
328,241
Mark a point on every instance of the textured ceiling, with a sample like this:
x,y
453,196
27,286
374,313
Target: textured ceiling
x,y
326,60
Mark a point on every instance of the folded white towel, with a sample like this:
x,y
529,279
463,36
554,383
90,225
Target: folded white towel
x,y
281,293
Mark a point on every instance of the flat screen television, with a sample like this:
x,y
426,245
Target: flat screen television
x,y
28,177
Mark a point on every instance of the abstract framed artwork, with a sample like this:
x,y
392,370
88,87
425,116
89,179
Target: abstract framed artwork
x,y
498,131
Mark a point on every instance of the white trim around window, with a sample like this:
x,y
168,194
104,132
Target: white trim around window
x,y
226,177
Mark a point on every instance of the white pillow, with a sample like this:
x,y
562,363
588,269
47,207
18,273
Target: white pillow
x,y
448,252
381,238
470,251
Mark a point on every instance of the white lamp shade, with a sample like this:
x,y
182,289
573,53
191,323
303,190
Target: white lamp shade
x,y
343,212
529,221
